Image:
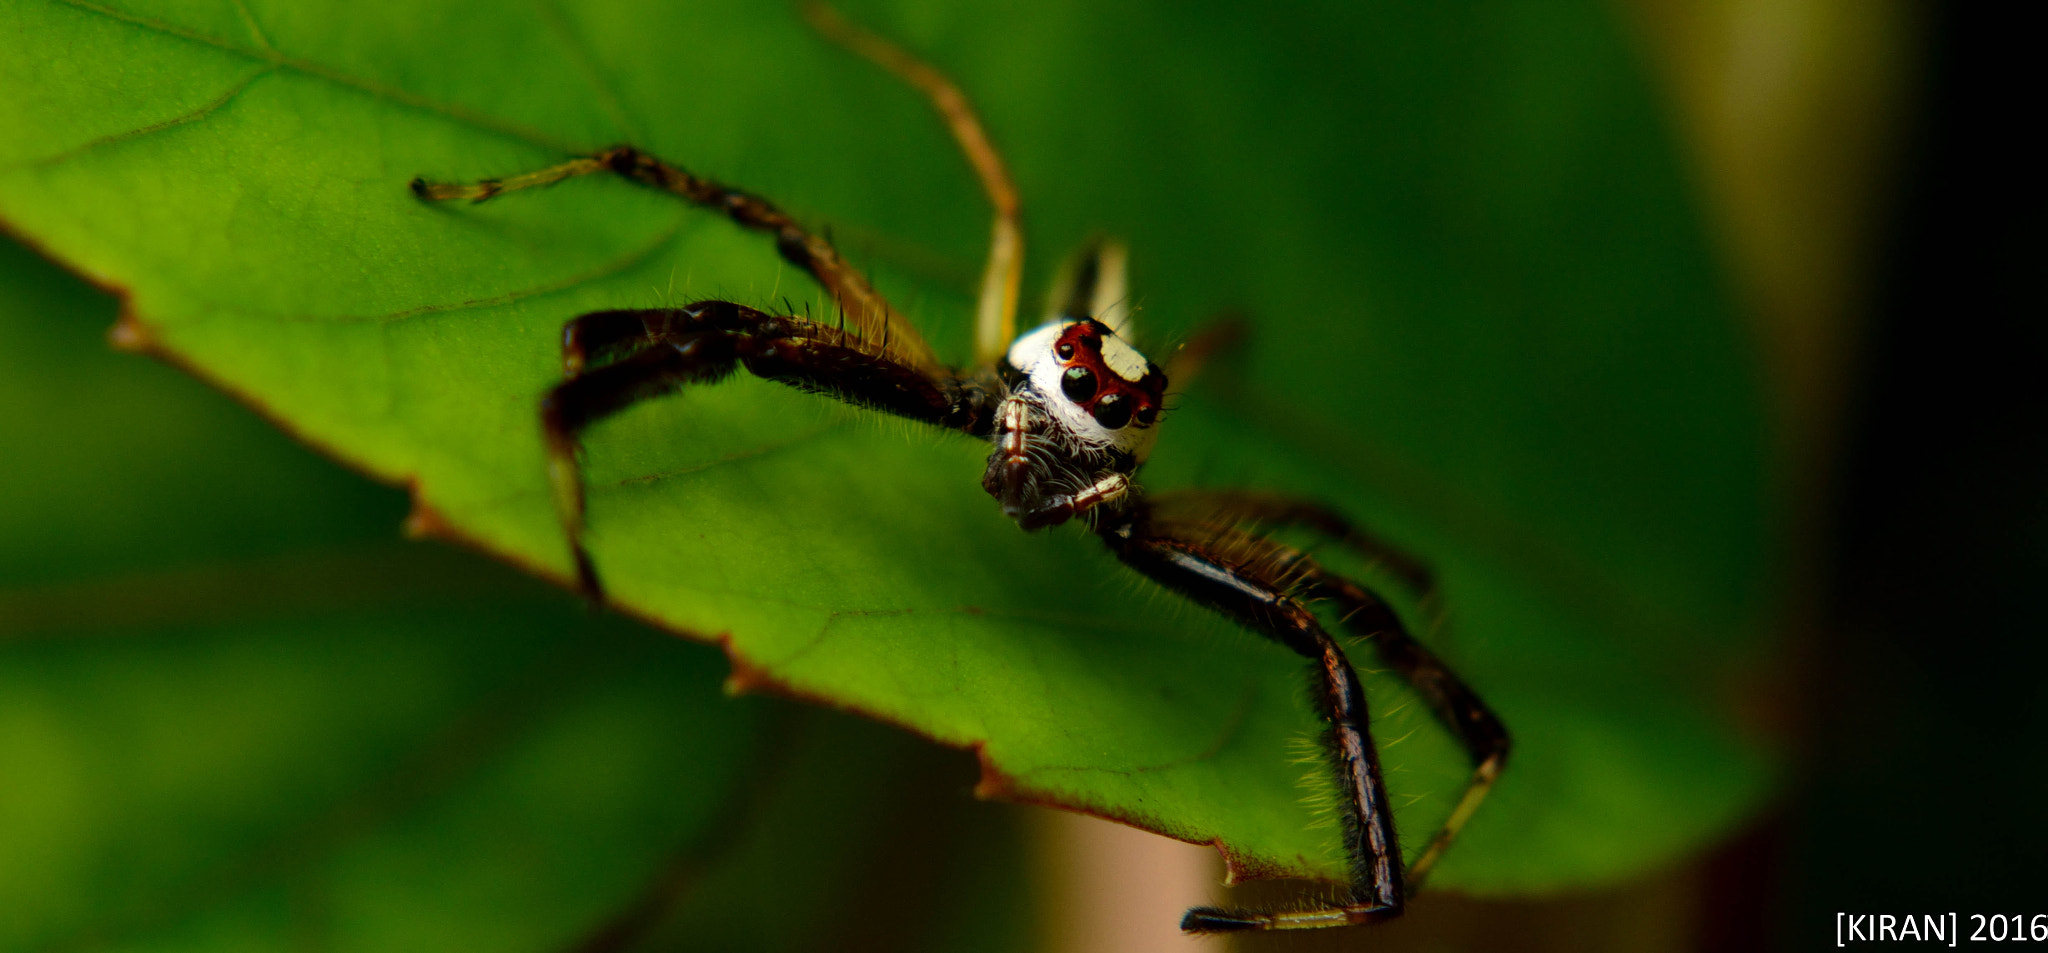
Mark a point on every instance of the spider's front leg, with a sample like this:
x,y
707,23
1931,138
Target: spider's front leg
x,y
614,359
1216,548
1453,702
1249,579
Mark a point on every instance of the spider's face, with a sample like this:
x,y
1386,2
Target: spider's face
x,y
1078,420
1094,384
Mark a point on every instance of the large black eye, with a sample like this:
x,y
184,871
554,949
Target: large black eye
x,y
1079,384
1113,411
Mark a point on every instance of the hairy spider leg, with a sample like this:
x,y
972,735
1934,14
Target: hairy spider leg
x,y
1479,730
995,322
601,337
618,358
1255,582
884,356
1269,512
870,314
1454,703
1228,514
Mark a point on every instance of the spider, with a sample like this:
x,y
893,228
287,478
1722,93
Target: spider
x,y
1072,409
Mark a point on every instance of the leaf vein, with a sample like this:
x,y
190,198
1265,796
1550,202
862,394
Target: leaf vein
x,y
623,263
203,111
255,29
267,54
557,21
1227,732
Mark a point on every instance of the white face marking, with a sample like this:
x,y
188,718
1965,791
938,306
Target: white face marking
x,y
1123,359
1033,354
1035,345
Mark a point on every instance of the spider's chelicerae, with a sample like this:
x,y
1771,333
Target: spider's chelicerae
x,y
1072,408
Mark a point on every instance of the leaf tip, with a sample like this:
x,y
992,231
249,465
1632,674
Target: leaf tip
x,y
746,678
425,522
995,784
1240,867
131,335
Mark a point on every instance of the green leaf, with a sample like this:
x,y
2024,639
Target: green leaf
x,y
230,720
1484,322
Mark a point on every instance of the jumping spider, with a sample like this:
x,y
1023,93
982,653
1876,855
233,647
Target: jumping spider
x,y
1072,409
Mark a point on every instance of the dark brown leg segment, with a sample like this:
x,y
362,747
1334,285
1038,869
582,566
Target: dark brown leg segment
x,y
1268,512
581,401
1215,547
618,358
1455,704
1252,583
601,337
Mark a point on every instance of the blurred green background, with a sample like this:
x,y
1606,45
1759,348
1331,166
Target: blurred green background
x,y
236,712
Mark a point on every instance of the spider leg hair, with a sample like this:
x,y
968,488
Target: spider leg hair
x,y
1453,702
666,349
871,315
1269,512
1260,584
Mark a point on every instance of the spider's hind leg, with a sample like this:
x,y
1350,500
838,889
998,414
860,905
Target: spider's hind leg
x,y
1268,512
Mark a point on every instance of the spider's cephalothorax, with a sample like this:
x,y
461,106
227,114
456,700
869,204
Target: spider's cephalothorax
x,y
1081,413
1072,409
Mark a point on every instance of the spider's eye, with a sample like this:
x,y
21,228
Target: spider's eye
x,y
1078,383
1065,350
1113,411
1147,414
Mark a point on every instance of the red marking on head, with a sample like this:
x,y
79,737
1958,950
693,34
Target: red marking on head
x,y
1080,346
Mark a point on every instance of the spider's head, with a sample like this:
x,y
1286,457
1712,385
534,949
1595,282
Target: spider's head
x,y
1083,405
1094,383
